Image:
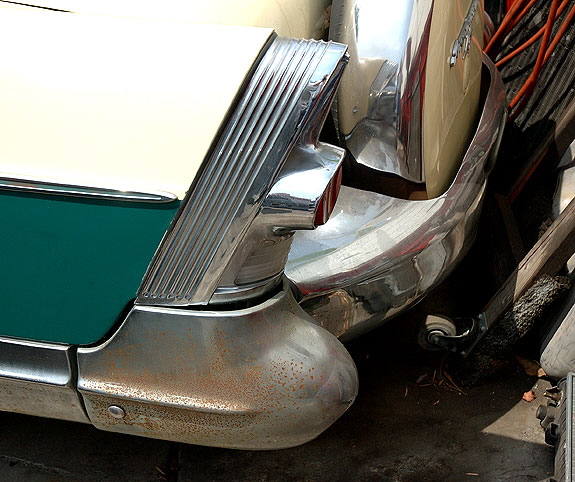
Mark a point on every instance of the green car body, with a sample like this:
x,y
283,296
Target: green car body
x,y
83,260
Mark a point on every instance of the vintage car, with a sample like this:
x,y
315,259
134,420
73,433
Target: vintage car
x,y
170,267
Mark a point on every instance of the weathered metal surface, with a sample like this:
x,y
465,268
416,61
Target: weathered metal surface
x,y
261,378
37,379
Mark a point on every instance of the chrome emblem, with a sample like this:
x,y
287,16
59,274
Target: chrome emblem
x,y
462,43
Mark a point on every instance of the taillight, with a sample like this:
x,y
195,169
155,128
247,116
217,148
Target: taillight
x,y
328,199
302,197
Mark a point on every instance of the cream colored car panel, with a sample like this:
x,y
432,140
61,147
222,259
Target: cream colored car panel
x,y
451,93
356,81
112,102
289,18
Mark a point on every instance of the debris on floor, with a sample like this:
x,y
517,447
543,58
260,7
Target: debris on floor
x,y
529,396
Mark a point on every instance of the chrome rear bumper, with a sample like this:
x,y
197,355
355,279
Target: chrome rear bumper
x,y
266,377
378,255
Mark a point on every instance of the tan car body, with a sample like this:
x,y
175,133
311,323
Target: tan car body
x,y
451,99
119,148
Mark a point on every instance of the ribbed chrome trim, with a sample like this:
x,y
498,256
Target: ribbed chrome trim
x,y
290,79
35,186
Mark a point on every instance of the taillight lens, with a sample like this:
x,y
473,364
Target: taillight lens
x,y
328,199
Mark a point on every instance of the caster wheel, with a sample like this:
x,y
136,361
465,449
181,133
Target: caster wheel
x,y
435,325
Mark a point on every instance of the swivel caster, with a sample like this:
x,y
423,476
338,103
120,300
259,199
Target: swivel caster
x,y
435,329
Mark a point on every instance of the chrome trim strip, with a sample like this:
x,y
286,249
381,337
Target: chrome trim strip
x,y
285,88
34,186
380,100
38,379
35,361
261,378
378,255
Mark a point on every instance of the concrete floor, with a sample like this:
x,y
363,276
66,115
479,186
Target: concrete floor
x,y
403,427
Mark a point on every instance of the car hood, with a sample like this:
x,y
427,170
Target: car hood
x,y
132,104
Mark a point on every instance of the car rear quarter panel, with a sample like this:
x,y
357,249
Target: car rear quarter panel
x,y
132,105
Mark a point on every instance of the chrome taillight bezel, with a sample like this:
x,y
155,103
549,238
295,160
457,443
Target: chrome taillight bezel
x,y
283,105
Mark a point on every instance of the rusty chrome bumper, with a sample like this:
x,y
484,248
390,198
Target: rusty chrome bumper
x,y
378,255
267,377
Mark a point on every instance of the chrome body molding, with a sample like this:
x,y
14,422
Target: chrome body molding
x,y
378,255
380,101
292,203
38,379
290,81
261,378
35,186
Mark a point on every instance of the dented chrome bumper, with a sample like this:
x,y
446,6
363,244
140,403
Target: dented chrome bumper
x,y
377,255
267,377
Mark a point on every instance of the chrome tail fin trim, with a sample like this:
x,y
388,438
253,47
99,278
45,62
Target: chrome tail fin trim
x,y
292,80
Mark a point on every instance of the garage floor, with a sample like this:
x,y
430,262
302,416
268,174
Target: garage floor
x,y
405,426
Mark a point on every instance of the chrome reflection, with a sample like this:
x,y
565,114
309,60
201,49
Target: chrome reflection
x,y
377,255
293,200
36,186
292,203
380,100
294,80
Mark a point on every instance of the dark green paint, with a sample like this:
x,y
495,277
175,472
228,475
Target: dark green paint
x,y
70,266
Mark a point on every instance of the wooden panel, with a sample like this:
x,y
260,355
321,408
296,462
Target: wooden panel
x,y
548,256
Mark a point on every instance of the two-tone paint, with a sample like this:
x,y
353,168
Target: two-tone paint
x,y
100,105
262,377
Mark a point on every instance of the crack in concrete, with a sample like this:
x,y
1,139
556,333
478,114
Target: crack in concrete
x,y
170,469
12,461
